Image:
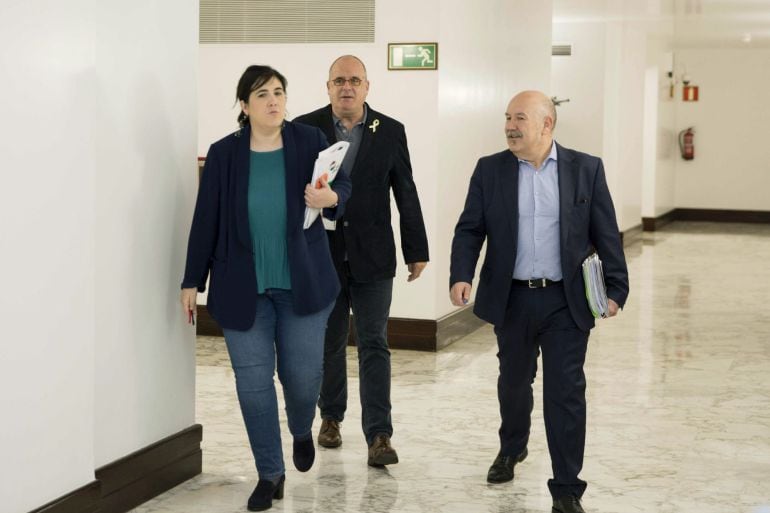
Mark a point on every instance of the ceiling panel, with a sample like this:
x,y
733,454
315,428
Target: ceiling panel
x,y
692,23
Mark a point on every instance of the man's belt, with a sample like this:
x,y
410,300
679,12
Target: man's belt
x,y
536,283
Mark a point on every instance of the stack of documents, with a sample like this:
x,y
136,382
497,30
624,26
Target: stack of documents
x,y
596,292
326,166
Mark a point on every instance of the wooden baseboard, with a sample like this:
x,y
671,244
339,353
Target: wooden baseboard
x,y
456,325
403,333
426,334
631,236
723,216
206,325
650,224
138,477
134,479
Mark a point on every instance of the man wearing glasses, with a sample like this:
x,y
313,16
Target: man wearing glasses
x,y
364,253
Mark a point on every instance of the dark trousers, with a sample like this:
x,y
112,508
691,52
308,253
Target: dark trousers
x,y
539,320
370,302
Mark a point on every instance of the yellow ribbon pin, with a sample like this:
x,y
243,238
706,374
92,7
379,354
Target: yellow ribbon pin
x,y
374,125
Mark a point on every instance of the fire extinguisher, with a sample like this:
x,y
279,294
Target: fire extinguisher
x,y
687,143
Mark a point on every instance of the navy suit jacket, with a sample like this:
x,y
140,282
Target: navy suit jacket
x,y
365,235
220,238
586,222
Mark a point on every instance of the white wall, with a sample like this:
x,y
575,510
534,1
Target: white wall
x,y
145,187
604,79
452,116
487,54
622,52
400,94
625,175
46,251
97,134
659,150
731,166
580,78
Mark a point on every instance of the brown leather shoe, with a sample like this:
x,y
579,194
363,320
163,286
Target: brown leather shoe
x,y
381,452
329,436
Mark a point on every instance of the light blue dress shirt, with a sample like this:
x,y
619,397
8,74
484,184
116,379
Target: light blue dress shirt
x,y
538,248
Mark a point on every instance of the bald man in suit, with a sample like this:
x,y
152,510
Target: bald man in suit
x,y
542,209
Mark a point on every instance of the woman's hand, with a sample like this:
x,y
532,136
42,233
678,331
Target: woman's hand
x,y
323,197
188,298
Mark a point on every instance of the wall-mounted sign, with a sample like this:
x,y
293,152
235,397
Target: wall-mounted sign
x,y
412,56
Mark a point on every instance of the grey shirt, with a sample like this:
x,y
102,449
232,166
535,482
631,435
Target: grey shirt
x,y
352,136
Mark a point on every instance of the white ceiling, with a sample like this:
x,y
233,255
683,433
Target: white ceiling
x,y
691,23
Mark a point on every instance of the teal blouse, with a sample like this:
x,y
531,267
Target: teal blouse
x,y
267,219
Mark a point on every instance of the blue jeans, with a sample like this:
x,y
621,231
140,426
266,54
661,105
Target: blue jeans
x,y
296,343
370,302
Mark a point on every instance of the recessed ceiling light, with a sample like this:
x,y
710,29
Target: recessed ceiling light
x,y
746,38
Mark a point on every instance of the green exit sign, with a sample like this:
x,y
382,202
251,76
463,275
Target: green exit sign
x,y
412,56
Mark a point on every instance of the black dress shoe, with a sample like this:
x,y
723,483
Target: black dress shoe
x,y
263,495
567,504
501,470
304,454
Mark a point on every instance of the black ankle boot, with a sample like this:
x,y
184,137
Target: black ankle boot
x,y
263,495
304,454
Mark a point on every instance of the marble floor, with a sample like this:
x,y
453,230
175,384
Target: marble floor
x,y
678,398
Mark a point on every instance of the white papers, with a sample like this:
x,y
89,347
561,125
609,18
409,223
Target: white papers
x,y
327,164
329,224
596,292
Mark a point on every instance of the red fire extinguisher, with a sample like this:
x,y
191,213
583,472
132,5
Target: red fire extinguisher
x,y
687,143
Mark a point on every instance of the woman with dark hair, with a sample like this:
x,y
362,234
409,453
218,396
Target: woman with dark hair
x,y
272,284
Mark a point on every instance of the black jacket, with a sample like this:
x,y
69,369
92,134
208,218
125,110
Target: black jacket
x,y
220,239
365,232
586,221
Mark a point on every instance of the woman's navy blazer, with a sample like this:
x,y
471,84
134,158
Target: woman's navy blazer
x,y
220,238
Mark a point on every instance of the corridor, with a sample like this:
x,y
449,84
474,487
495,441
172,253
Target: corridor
x,y
678,406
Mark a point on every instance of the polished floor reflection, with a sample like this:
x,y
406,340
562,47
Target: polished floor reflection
x,y
678,397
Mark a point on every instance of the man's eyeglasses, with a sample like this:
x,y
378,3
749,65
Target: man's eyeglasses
x,y
354,81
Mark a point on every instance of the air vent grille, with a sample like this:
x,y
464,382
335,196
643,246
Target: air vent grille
x,y
286,21
561,49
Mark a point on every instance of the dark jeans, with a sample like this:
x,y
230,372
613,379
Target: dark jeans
x,y
370,302
539,320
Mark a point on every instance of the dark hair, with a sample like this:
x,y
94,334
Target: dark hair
x,y
252,79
